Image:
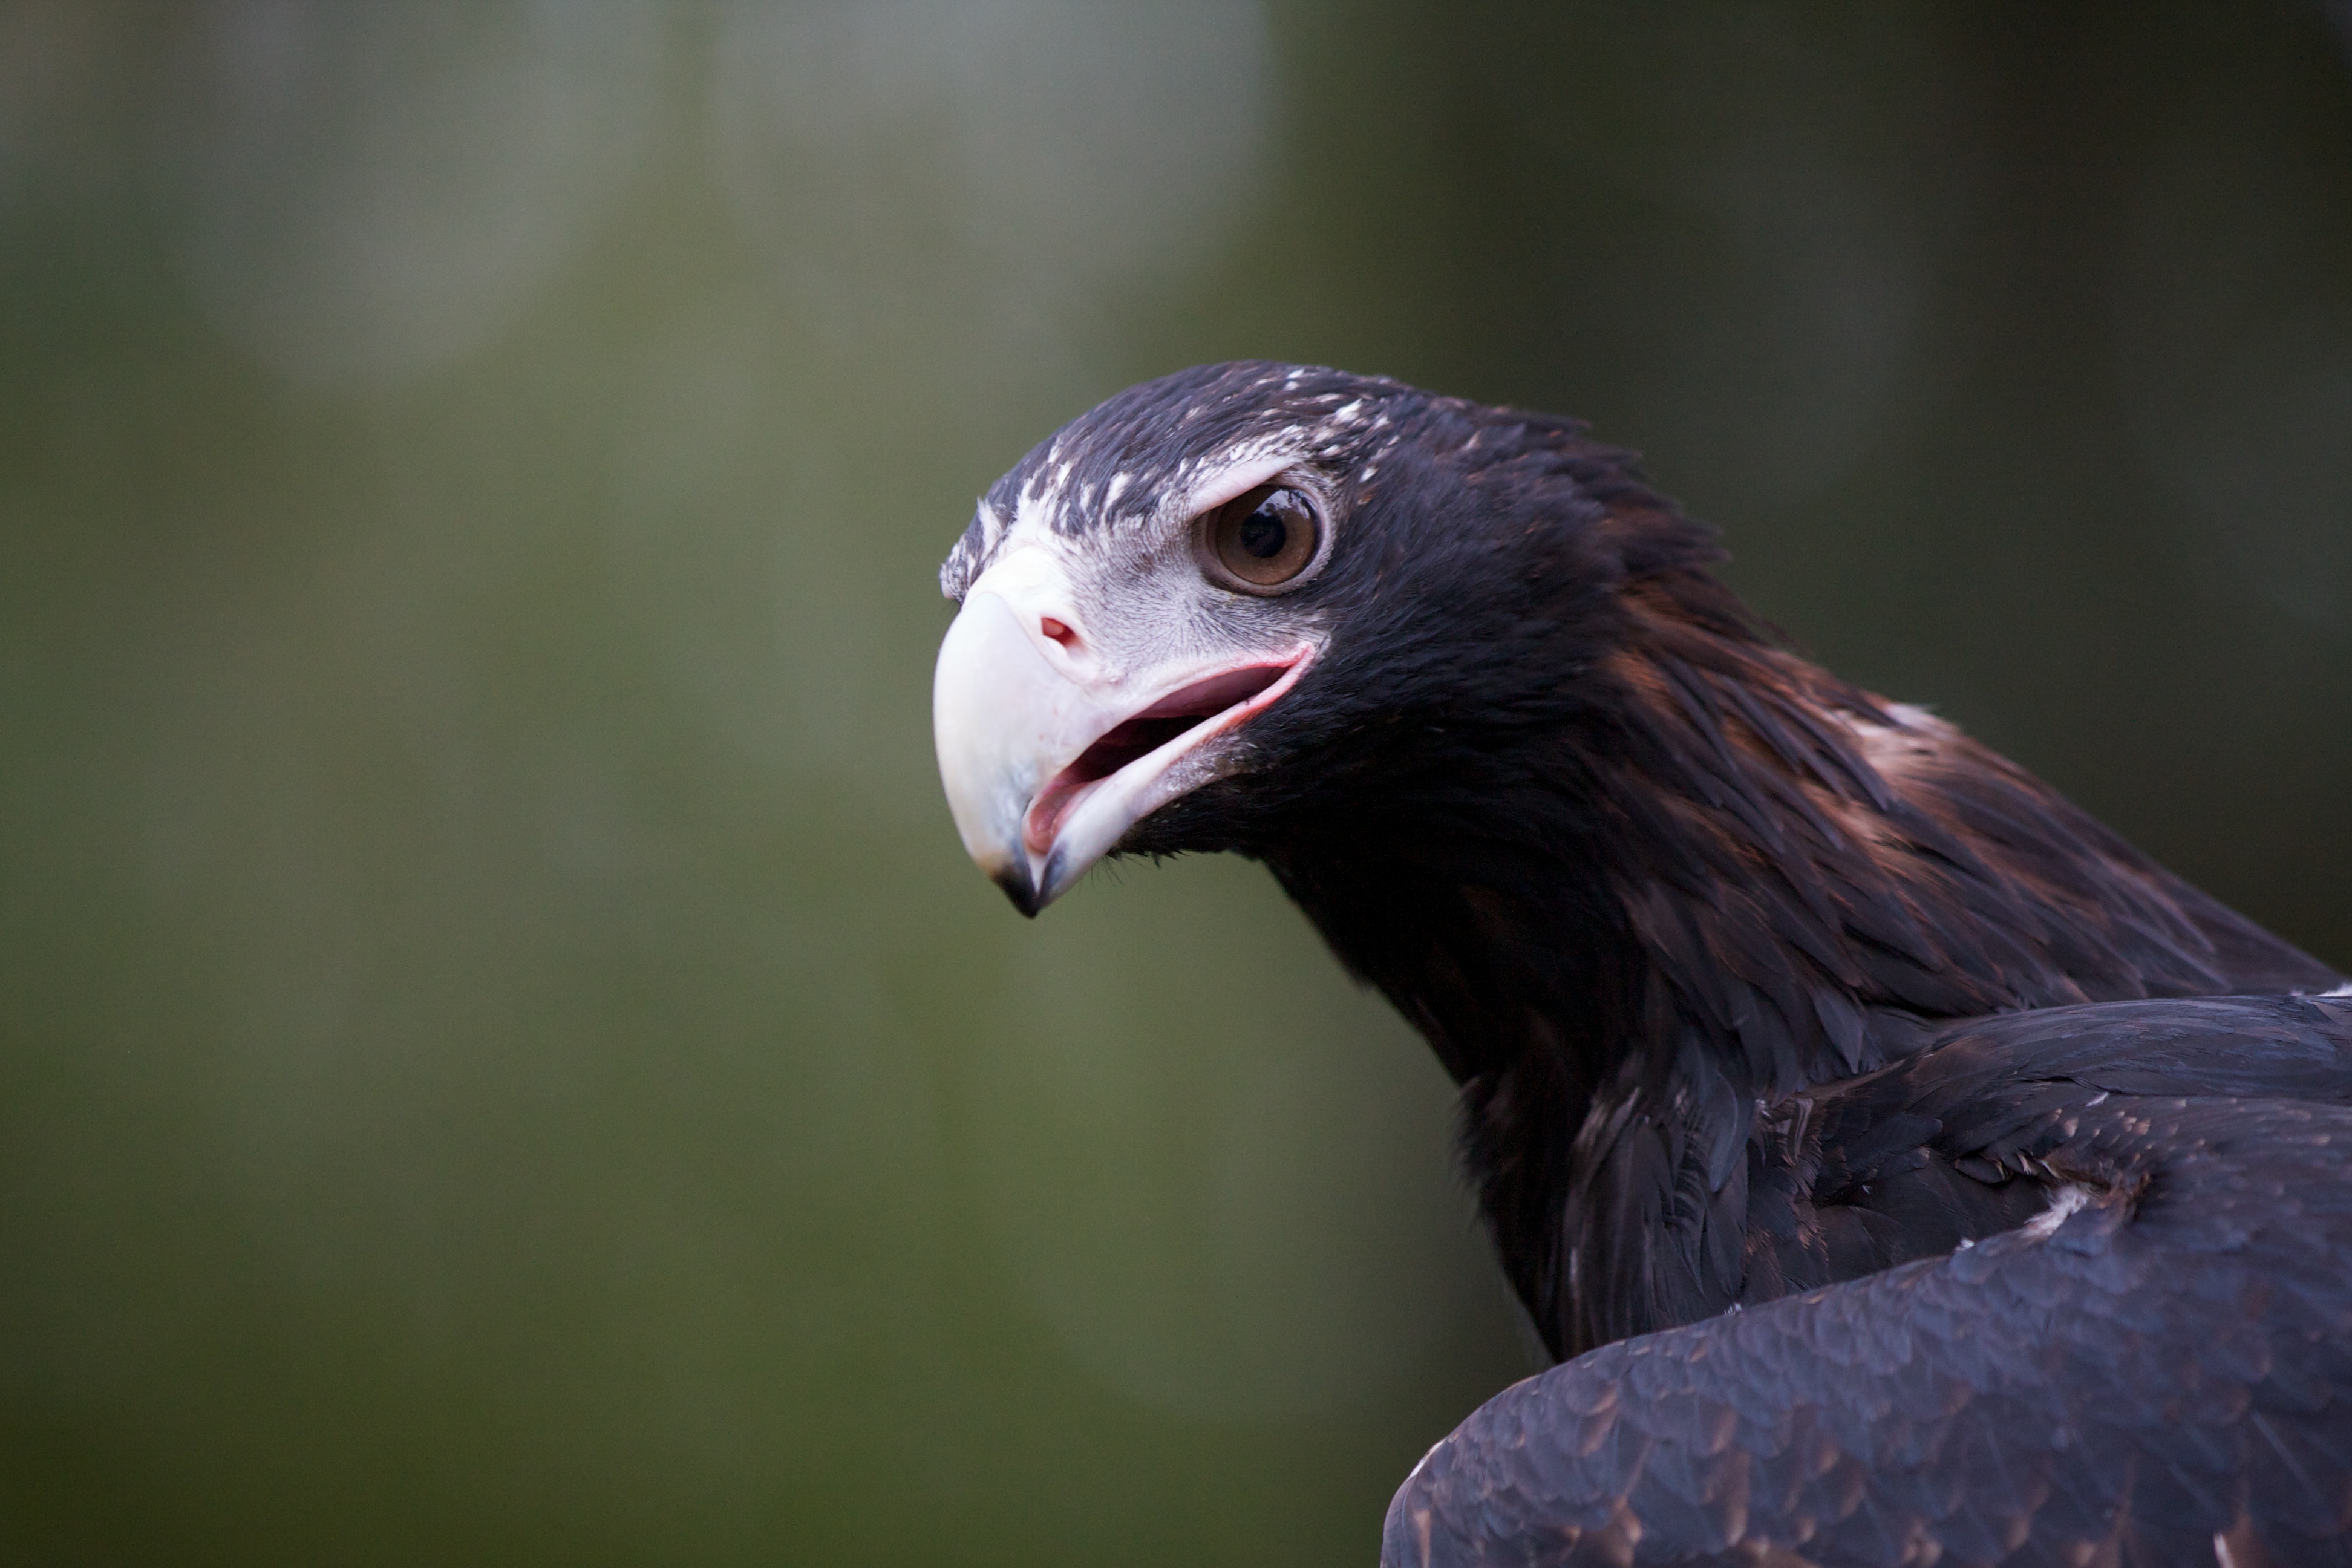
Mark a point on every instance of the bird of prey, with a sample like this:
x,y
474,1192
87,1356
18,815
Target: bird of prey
x,y
1902,1168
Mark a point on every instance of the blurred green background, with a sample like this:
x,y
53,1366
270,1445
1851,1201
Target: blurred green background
x,y
501,1057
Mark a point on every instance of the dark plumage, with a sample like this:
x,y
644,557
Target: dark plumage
x,y
2165,1364
1860,1260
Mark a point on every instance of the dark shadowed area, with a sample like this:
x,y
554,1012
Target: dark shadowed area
x,y
502,1057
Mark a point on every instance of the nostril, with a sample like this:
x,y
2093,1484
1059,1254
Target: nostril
x,y
1056,631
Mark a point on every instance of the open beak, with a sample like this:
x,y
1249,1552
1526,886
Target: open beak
x,y
1049,753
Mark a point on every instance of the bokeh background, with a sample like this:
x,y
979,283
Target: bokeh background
x,y
501,1058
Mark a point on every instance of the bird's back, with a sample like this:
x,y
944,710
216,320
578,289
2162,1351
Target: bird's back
x,y
2148,1360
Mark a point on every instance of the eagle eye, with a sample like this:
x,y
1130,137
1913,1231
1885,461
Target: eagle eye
x,y
1263,540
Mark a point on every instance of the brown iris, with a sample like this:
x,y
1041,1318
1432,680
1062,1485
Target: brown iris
x,y
1264,538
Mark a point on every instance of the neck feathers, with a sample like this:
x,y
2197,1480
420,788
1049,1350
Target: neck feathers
x,y
1723,846
1725,875
1806,870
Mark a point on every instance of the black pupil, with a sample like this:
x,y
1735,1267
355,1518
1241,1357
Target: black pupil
x,y
1264,534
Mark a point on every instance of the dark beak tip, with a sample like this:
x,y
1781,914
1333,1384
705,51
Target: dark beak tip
x,y
1016,886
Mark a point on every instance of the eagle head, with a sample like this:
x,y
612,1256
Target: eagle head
x,y
1224,604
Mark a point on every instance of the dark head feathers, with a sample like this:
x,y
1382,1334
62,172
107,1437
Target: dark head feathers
x,y
1124,459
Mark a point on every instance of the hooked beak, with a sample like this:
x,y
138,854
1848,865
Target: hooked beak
x,y
1049,753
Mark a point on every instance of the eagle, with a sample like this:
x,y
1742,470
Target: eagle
x,y
1900,1167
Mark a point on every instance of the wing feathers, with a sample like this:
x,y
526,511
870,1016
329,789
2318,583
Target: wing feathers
x,y
2167,1365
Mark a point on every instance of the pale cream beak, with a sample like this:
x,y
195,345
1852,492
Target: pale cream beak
x,y
1048,751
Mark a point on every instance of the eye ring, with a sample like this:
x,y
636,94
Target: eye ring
x,y
1265,540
